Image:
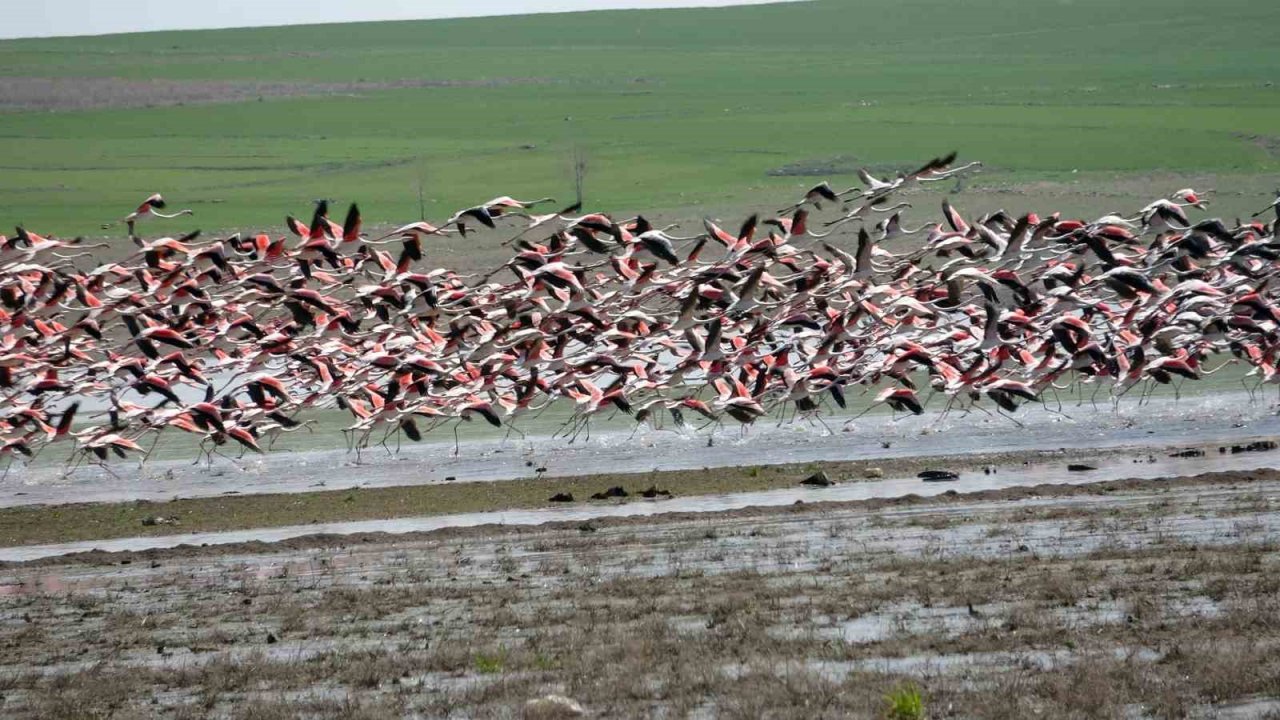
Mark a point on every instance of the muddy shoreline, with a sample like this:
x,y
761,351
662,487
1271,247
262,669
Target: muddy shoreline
x,y
944,499
532,501
319,462
1136,598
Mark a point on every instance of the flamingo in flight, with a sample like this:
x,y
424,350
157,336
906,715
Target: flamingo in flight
x,y
233,340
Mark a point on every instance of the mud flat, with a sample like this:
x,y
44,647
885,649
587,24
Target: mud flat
x,y
1140,598
32,532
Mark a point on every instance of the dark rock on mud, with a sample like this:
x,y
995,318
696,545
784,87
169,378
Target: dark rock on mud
x,y
153,520
561,498
1258,446
818,479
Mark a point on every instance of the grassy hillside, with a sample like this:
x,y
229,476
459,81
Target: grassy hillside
x,y
676,109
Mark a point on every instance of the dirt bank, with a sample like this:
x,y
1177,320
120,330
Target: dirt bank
x,y
66,523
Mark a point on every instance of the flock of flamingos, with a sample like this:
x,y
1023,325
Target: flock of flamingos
x,y
234,340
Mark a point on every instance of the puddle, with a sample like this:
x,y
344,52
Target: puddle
x,y
935,664
887,622
929,665
1247,710
906,619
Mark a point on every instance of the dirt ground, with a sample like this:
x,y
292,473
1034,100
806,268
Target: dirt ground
x,y
1124,599
84,93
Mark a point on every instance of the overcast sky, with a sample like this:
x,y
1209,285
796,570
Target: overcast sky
x,y
37,18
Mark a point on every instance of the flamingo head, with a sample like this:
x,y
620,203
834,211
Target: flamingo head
x,y
1189,195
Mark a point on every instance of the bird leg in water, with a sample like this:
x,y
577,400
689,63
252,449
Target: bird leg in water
x,y
1148,391
511,428
224,456
1001,412
147,455
565,427
77,455
387,436
716,422
635,430
358,446
976,406
1244,382
946,410
1078,388
811,417
207,448
580,425
782,416
107,467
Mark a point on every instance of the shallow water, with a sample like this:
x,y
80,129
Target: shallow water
x,y
911,618
1222,417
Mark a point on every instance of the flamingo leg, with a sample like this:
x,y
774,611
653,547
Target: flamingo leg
x,y
1245,384
1011,418
824,424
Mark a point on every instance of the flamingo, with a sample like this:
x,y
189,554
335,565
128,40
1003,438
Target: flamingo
x,y
1001,308
150,208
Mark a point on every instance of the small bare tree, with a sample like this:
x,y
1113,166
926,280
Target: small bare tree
x,y
579,169
422,181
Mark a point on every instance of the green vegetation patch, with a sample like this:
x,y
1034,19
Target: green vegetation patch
x,y
676,109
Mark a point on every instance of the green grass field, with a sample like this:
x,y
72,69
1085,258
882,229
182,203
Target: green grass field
x,y
1080,105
